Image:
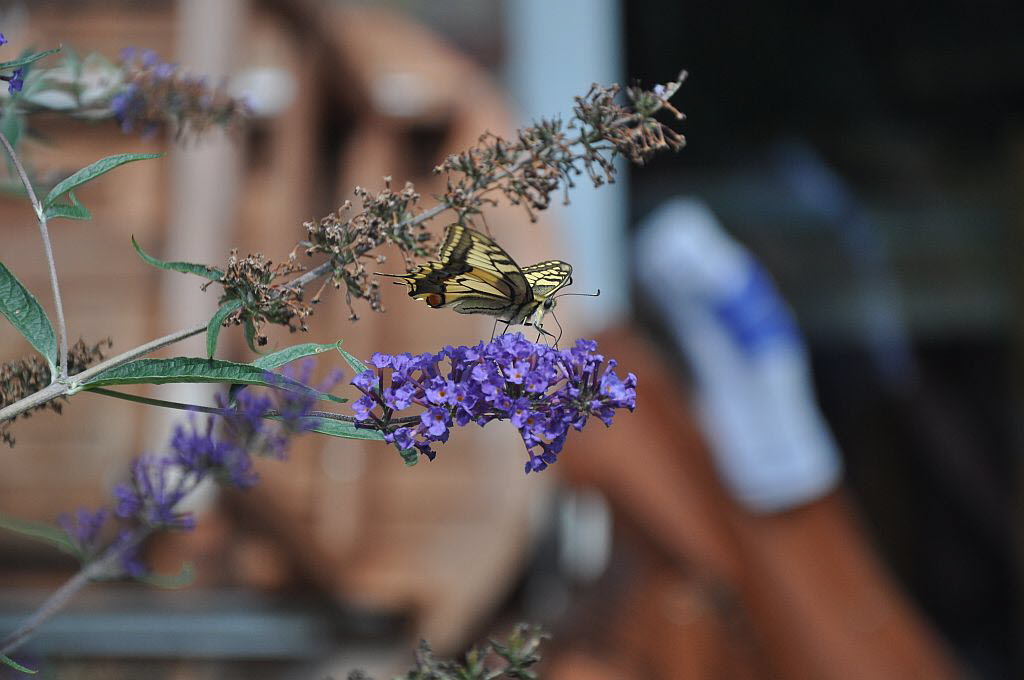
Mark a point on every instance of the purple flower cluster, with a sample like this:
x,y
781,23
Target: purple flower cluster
x,y
199,450
84,528
543,391
253,424
157,94
85,531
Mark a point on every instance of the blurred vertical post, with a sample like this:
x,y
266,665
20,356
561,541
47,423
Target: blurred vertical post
x,y
555,50
203,191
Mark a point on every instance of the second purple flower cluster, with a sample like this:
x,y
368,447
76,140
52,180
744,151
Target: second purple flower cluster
x,y
543,391
218,447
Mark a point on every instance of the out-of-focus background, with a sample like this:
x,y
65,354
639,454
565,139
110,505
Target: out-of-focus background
x,y
820,295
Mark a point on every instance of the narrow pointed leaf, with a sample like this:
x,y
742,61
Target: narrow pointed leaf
x,y
92,171
356,365
289,354
72,211
249,329
27,59
344,430
213,329
286,355
37,531
192,370
211,273
12,123
8,661
25,313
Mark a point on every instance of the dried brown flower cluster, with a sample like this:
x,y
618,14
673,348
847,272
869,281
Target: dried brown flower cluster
x,y
547,156
251,280
158,95
542,159
348,239
22,377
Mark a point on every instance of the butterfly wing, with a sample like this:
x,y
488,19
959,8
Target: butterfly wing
x,y
472,275
545,278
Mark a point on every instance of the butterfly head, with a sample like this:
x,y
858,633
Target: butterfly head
x,y
545,306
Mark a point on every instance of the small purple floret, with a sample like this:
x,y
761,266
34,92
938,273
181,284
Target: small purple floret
x,y
16,81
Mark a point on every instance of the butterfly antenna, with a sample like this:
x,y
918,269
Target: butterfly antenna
x,y
597,294
392,276
487,227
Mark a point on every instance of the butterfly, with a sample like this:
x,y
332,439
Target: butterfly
x,y
474,275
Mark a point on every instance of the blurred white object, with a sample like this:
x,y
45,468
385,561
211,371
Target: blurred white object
x,y
754,396
266,90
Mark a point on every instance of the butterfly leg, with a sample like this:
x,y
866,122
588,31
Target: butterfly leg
x,y
560,331
541,332
503,330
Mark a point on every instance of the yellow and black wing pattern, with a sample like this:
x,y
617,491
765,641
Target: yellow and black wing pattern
x,y
474,275
546,278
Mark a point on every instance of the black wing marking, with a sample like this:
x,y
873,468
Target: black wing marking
x,y
547,277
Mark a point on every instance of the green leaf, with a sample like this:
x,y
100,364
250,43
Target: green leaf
x,y
23,311
356,365
213,329
15,665
92,171
72,211
282,357
211,273
345,430
192,370
12,123
289,354
183,578
37,531
27,59
249,329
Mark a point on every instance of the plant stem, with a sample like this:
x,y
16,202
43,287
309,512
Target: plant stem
x,y
123,358
104,567
44,233
74,382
